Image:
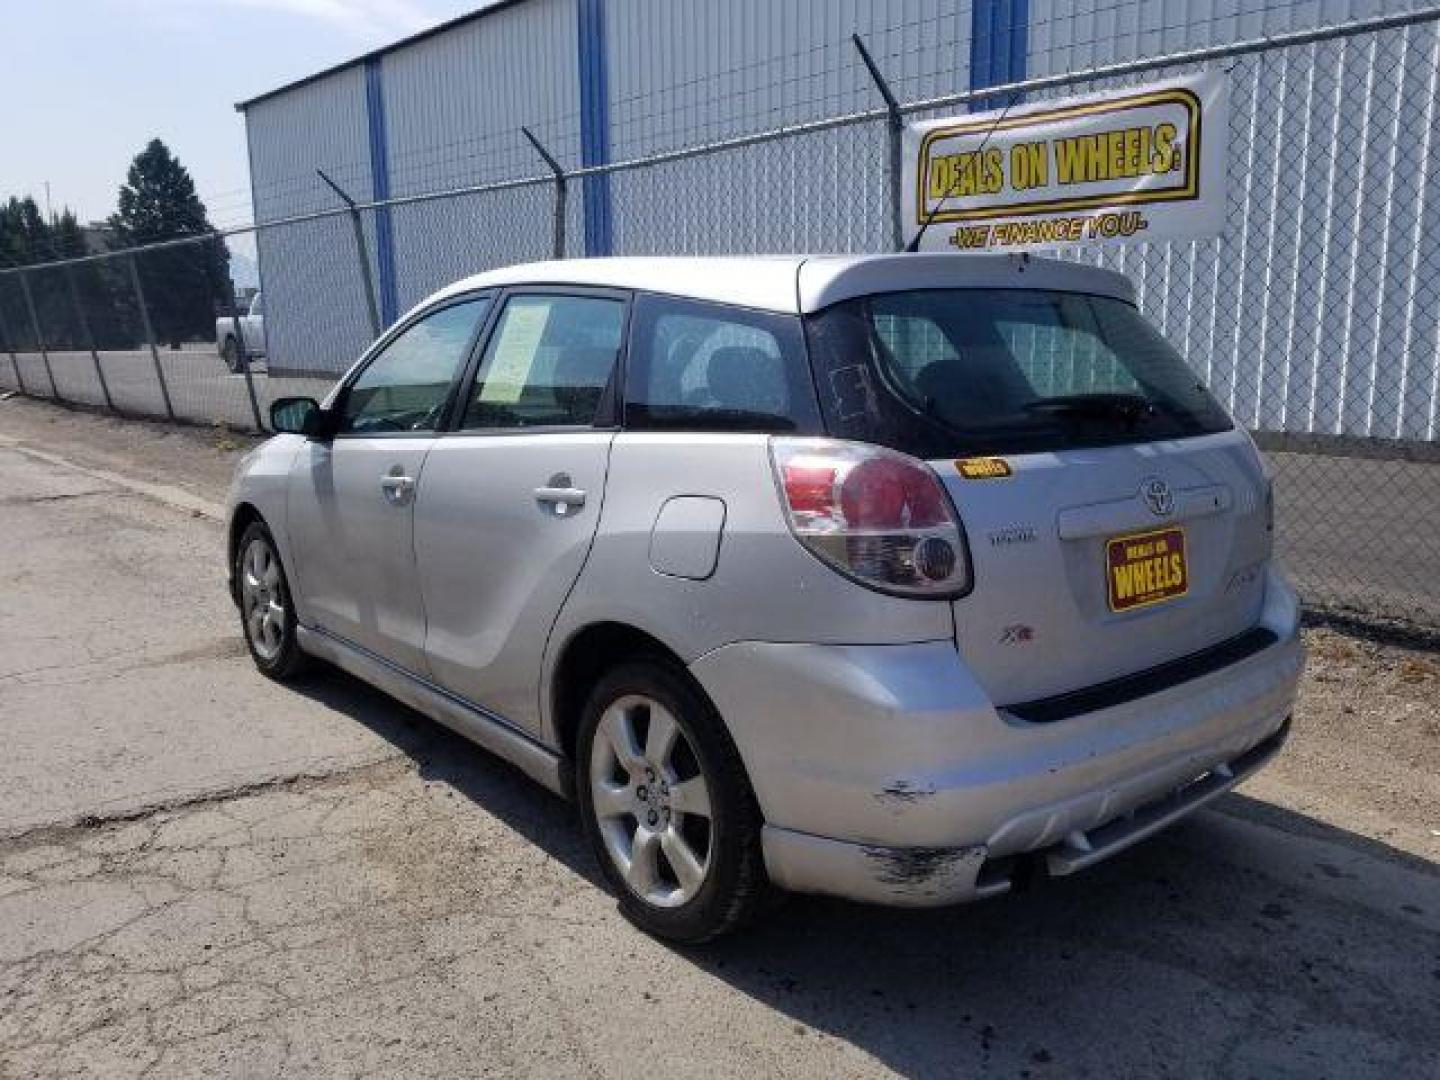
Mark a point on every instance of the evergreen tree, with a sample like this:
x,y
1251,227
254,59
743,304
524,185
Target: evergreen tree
x,y
67,239
22,240
183,284
102,288
24,233
27,238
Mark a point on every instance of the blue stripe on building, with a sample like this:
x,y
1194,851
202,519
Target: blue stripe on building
x,y
594,125
380,189
999,37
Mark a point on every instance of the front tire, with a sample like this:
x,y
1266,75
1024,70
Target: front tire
x,y
666,805
267,613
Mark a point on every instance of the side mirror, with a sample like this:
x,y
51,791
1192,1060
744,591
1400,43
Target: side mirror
x,y
296,416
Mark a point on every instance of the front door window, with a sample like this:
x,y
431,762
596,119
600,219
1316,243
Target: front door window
x,y
405,387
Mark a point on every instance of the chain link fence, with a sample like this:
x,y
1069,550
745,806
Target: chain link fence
x,y
1314,316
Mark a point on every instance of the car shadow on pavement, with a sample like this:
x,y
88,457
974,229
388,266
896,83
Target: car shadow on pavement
x,y
1214,949
407,730
442,756
1248,940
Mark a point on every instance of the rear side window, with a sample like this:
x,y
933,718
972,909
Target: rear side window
x,y
711,367
546,363
947,371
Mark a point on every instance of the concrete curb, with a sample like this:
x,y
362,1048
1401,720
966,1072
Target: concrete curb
x,y
166,494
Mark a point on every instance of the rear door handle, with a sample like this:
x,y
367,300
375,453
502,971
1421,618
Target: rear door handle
x,y
397,489
561,498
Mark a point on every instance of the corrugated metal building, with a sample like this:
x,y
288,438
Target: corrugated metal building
x,y
600,81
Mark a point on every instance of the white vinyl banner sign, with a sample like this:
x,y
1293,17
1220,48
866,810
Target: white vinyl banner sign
x,y
1140,164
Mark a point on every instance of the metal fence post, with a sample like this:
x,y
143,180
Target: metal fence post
x,y
245,362
244,351
242,348
560,192
150,337
10,348
371,308
88,336
896,132
39,336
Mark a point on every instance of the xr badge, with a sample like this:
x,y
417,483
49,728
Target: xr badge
x,y
1017,634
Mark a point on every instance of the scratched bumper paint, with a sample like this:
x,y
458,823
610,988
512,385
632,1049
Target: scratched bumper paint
x,y
885,774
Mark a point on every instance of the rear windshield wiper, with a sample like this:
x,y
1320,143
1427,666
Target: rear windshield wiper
x,y
1130,409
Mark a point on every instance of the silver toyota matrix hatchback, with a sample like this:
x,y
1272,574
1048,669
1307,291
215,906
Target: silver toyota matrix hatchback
x,y
897,578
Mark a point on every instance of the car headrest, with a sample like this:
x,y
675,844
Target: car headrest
x,y
579,378
584,365
749,379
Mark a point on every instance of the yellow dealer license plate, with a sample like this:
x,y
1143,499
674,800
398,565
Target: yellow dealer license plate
x,y
1146,568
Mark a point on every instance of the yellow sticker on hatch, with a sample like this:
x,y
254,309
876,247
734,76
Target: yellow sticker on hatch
x,y
983,468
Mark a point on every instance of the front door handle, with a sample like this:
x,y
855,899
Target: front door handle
x,y
397,489
560,494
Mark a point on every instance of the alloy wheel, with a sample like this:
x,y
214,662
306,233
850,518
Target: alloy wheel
x,y
263,598
651,800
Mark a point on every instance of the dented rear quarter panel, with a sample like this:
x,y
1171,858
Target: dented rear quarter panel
x,y
764,586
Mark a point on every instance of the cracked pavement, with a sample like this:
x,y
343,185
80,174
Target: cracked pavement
x,y
205,874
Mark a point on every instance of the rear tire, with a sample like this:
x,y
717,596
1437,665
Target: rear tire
x,y
666,805
267,613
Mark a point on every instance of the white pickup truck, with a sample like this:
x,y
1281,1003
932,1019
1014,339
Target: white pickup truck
x,y
252,327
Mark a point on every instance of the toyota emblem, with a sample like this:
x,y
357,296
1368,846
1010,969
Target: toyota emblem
x,y
1157,495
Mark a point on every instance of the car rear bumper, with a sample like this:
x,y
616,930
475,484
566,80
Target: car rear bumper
x,y
935,876
886,775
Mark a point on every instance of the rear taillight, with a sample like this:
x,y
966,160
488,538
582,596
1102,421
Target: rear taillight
x,y
878,516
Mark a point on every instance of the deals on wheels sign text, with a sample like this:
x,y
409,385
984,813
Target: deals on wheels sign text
x,y
1144,163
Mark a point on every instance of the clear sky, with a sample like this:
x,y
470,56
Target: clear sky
x,y
84,84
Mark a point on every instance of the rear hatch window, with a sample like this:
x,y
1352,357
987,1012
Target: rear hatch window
x,y
1014,371
1118,521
